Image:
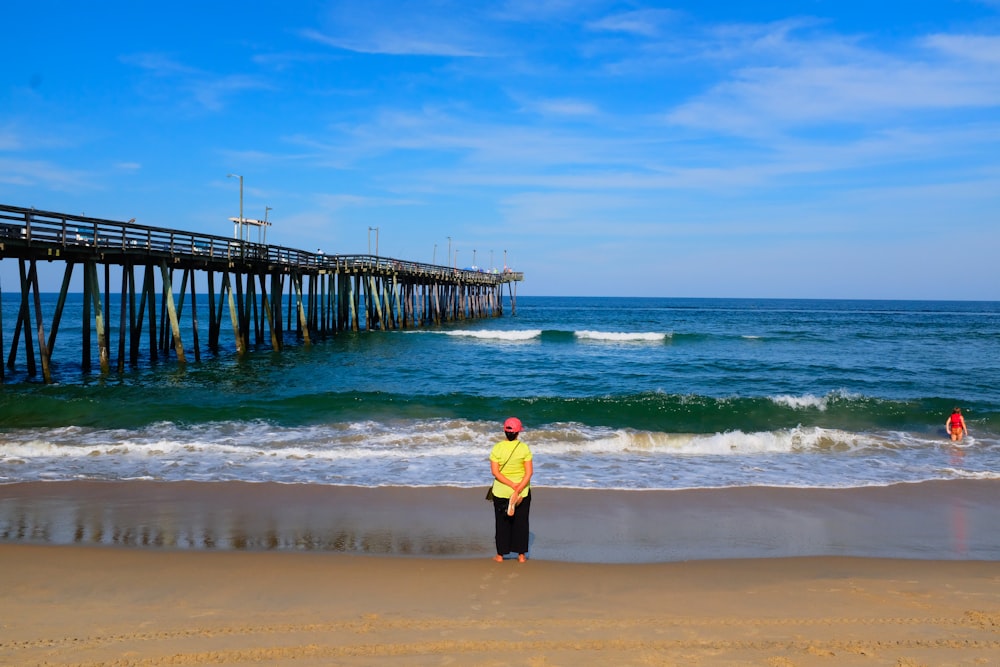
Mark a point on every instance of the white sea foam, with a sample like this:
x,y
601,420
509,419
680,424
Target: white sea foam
x,y
455,452
799,402
622,337
729,443
973,474
820,403
482,334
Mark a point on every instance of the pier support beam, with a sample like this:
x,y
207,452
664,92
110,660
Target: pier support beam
x,y
94,284
227,292
175,327
43,348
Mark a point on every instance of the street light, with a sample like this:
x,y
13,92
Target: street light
x,y
370,229
435,255
266,223
473,258
449,247
236,234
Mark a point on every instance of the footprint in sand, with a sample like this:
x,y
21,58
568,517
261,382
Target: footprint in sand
x,y
489,583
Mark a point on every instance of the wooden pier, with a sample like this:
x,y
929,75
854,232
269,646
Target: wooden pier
x,y
271,293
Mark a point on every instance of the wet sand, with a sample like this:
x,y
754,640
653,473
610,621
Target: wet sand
x,y
935,520
154,574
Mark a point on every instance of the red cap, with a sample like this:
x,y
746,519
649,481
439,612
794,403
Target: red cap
x,y
512,425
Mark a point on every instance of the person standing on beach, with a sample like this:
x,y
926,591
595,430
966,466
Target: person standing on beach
x,y
512,467
956,425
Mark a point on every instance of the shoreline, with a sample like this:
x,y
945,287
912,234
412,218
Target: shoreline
x,y
953,520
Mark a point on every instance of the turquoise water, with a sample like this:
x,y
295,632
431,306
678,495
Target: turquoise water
x,y
614,393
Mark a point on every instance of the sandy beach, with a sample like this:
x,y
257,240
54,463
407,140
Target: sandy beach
x,y
99,606
156,574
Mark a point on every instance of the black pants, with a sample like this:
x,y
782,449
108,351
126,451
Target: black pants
x,y
512,531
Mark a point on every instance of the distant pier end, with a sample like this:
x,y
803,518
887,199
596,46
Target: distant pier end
x,y
269,292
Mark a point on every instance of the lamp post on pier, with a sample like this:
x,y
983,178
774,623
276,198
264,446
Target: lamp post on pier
x,y
237,229
449,248
370,230
435,255
266,223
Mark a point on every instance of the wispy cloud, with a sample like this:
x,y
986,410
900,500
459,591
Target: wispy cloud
x,y
400,27
841,86
643,22
336,202
393,43
10,140
531,11
286,59
565,107
30,134
439,135
974,48
176,81
159,64
215,93
457,152
51,176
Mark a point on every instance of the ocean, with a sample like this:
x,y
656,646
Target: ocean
x,y
615,393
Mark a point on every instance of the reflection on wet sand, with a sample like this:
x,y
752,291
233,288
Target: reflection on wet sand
x,y
932,520
958,526
109,527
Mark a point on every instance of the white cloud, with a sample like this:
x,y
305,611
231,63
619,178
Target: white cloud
x,y
643,22
565,107
403,27
215,93
159,64
544,10
392,43
31,173
842,87
460,153
975,48
31,134
284,60
208,90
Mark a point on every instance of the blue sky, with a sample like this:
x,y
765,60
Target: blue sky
x,y
703,149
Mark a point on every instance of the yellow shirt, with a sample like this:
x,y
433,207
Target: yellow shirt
x,y
510,455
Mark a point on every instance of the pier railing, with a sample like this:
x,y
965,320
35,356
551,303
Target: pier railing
x,y
80,236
